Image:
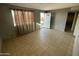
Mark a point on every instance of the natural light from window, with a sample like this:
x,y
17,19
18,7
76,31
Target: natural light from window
x,y
12,12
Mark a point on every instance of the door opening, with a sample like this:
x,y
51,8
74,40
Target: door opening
x,y
42,18
69,21
45,19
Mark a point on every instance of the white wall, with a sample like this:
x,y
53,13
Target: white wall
x,y
77,26
60,19
76,46
76,42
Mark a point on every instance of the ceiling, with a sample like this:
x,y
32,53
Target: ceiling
x,y
46,6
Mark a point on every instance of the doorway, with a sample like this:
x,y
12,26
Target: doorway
x,y
69,21
42,18
45,19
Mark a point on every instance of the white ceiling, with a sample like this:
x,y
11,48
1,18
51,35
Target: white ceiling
x,y
46,6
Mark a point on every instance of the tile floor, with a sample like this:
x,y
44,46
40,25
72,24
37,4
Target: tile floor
x,y
44,42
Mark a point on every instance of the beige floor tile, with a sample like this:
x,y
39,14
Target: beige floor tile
x,y
42,42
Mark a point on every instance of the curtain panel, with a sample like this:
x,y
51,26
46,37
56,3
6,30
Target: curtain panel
x,y
24,21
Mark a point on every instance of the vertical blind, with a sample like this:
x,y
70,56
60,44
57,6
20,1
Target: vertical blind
x,y
24,21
